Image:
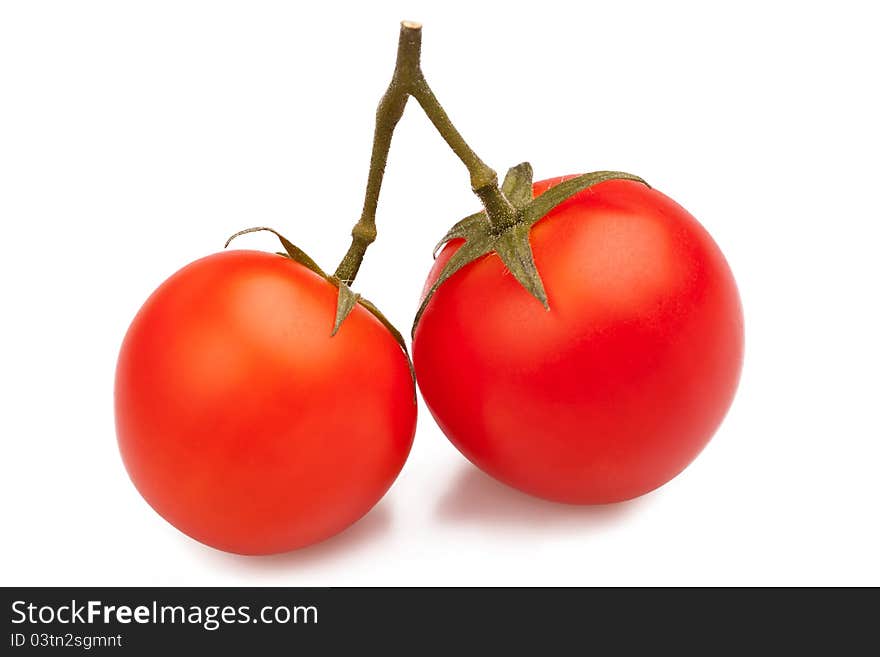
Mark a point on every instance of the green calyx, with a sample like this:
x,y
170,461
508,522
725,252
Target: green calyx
x,y
504,226
346,299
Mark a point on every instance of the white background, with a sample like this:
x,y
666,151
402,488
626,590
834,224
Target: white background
x,y
135,137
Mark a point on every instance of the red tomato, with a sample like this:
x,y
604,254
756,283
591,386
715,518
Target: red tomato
x,y
242,422
619,386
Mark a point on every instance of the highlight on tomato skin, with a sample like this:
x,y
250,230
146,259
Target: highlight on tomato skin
x,y
619,386
242,421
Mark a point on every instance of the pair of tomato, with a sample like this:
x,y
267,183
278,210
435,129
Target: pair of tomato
x,y
246,425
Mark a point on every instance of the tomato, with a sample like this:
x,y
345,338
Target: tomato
x,y
614,390
243,422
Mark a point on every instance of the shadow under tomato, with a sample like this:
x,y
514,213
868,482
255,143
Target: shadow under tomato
x,y
369,528
475,498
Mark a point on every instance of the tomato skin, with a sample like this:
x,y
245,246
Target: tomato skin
x,y
621,384
243,422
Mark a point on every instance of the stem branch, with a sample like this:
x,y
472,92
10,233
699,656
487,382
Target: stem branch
x,y
408,80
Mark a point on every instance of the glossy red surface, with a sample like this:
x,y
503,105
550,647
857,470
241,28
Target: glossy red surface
x,y
619,386
243,422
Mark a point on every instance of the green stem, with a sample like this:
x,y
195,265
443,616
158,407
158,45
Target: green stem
x,y
408,80
387,116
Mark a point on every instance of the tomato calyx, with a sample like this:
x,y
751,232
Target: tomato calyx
x,y
346,299
507,233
